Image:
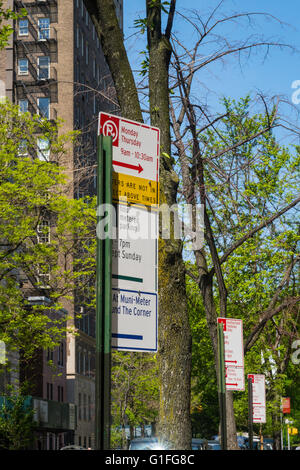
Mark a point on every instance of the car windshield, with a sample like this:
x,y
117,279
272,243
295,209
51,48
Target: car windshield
x,y
143,444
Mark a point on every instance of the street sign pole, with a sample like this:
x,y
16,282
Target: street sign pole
x,y
103,298
222,386
250,413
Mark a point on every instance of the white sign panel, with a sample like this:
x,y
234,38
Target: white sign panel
x,y
134,320
259,397
135,188
135,146
135,250
234,378
234,353
233,341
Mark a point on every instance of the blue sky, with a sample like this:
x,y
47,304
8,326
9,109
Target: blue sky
x,y
272,74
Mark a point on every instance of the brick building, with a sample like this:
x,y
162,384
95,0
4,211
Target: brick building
x,y
54,66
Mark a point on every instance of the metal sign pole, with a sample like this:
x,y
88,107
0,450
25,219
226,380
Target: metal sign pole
x,y
250,412
103,297
222,386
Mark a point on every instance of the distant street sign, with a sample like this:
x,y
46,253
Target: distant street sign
x,y
234,353
135,181
259,397
135,159
286,405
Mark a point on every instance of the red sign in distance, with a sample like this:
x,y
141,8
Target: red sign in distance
x,y
286,405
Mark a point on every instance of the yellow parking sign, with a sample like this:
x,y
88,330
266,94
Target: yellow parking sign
x,y
135,190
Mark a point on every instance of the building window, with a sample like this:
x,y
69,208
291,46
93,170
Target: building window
x,y
23,105
84,407
23,66
60,360
44,28
43,149
89,410
44,107
86,53
43,276
49,391
23,150
83,364
23,27
49,355
44,67
77,37
79,406
60,393
43,233
78,368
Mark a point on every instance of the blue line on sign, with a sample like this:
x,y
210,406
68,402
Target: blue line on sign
x,y
116,335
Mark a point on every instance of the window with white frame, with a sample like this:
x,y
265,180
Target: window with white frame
x,y
43,275
44,107
43,67
23,66
43,231
23,105
23,27
23,150
43,149
44,28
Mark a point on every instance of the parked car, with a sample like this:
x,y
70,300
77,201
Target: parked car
x,y
213,445
198,444
73,447
144,443
151,443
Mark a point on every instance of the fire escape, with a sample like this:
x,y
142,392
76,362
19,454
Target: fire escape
x,y
39,48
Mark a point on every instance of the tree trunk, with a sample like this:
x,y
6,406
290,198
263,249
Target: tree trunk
x,y
174,334
174,331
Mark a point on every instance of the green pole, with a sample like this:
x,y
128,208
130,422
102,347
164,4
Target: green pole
x,y
222,386
103,295
250,413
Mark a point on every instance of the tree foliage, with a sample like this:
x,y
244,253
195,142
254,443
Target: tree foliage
x,y
17,423
6,14
47,238
252,210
